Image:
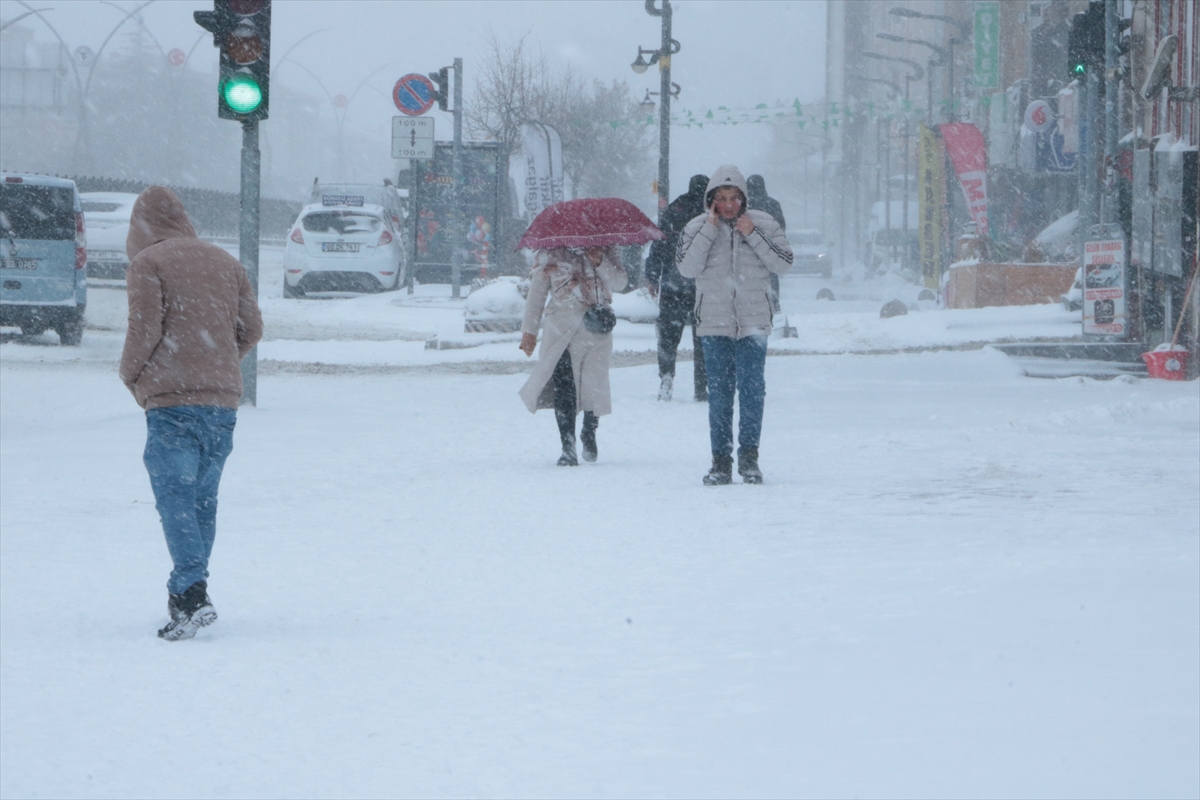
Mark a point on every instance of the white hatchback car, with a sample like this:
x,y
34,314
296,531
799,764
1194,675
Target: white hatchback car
x,y
343,248
107,215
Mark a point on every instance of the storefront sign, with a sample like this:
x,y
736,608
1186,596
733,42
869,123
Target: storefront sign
x,y
968,153
931,191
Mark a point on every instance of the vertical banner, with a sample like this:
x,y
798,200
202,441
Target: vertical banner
x,y
543,168
987,45
968,153
931,191
1104,286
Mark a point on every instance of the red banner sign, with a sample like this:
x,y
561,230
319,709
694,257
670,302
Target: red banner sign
x,y
964,142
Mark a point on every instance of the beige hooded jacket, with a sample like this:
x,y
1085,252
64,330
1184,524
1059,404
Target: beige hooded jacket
x,y
732,271
192,311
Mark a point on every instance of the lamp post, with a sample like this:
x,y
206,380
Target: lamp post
x,y
963,29
82,139
661,56
916,75
941,59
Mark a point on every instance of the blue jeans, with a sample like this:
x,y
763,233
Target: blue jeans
x,y
735,365
186,448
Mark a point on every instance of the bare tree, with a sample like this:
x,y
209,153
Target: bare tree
x,y
607,149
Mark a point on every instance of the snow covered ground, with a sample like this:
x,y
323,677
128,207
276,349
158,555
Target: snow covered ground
x,y
956,581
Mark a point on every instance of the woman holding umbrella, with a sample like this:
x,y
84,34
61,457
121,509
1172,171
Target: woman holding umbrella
x,y
575,272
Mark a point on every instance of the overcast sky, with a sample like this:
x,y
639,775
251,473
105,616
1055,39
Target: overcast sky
x,y
734,52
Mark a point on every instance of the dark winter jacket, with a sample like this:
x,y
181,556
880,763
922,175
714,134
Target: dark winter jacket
x,y
660,264
192,311
732,271
757,199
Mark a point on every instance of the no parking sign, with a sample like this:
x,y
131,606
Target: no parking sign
x,y
413,94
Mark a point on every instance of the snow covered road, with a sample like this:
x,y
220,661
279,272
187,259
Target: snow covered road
x,y
955,582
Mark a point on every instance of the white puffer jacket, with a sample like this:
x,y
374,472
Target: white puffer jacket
x,y
732,271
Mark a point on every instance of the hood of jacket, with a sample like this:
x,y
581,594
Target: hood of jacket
x,y
697,186
725,175
158,214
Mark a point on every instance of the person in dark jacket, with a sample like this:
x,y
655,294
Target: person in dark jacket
x,y
676,294
759,200
192,318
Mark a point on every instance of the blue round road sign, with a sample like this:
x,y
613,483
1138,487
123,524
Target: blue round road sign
x,y
413,94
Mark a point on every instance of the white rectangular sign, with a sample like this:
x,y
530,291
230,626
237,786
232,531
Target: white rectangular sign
x,y
412,137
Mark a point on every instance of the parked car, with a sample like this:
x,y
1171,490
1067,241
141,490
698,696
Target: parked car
x,y
340,246
107,216
43,256
810,253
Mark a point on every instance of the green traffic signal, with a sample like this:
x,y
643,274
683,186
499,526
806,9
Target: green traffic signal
x,y
1079,69
242,94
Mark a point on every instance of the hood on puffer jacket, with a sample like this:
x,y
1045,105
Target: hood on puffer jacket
x,y
158,214
725,175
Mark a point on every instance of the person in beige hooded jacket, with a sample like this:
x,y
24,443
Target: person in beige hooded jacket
x,y
731,252
192,317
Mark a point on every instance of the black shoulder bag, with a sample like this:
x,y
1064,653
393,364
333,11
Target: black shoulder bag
x,y
599,318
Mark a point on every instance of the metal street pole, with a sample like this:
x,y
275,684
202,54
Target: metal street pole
x,y
664,113
456,171
1111,67
248,243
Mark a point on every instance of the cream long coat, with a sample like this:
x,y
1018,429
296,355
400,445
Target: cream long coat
x,y
555,276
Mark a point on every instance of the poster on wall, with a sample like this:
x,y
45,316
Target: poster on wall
x,y
1104,287
479,204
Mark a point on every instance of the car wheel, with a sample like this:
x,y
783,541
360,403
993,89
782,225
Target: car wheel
x,y
70,330
292,292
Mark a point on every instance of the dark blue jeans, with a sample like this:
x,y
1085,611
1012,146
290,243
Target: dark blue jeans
x,y
735,365
186,448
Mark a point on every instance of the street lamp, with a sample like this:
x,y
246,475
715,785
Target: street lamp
x,y
908,79
942,58
667,90
963,29
900,11
647,105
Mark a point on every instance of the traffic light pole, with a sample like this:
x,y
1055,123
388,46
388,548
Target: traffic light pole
x,y
248,243
1111,88
456,170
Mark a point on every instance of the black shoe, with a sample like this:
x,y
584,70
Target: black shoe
x,y
189,612
701,397
748,465
721,473
587,436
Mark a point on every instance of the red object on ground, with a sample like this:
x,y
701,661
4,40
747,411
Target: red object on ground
x,y
1169,365
592,222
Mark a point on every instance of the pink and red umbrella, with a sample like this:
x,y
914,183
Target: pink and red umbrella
x,y
591,222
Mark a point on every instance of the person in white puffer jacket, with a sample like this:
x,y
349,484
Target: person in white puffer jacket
x,y
731,252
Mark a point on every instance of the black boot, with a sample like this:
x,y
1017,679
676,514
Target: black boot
x,y
721,473
587,435
189,612
748,465
566,433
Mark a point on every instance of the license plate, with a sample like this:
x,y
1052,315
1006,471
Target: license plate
x,y
27,264
339,247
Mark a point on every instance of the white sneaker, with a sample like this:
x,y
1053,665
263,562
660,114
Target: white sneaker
x,y
664,388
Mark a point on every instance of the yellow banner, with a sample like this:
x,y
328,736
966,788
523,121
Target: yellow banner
x,y
931,190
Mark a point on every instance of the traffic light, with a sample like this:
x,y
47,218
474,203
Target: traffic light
x,y
441,80
241,29
1085,42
